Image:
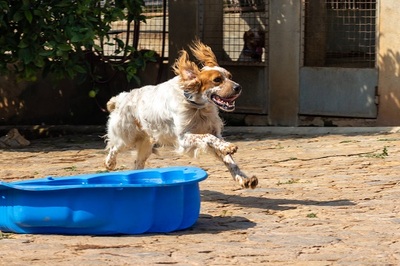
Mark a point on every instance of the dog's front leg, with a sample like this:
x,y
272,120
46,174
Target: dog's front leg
x,y
223,150
237,174
190,142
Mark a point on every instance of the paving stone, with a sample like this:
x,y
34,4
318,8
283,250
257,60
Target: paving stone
x,y
322,199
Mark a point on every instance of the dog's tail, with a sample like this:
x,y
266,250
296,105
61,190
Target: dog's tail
x,y
112,104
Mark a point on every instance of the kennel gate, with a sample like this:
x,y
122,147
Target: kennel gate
x,y
339,76
222,24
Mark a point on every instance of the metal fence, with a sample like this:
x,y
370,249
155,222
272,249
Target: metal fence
x,y
149,35
243,29
340,33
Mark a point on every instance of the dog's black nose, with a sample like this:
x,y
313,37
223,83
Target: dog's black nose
x,y
237,88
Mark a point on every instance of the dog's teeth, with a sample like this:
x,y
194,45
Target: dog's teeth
x,y
224,104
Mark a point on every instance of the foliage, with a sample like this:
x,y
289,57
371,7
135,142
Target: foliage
x,y
55,36
312,215
381,155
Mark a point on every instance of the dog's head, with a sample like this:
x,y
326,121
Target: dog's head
x,y
254,42
209,84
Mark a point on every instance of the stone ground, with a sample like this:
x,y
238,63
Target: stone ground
x,y
323,199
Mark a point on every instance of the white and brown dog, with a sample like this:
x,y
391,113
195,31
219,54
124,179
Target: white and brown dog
x,y
181,112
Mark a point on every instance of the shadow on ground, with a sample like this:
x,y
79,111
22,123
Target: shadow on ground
x,y
268,203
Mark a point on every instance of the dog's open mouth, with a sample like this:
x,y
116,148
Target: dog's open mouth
x,y
226,104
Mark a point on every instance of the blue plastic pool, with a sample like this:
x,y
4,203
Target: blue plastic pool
x,y
129,202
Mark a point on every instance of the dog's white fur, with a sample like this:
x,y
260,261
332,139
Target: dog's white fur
x,y
181,112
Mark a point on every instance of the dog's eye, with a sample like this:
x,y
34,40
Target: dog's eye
x,y
218,80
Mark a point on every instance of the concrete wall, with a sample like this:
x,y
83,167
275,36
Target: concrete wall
x,y
284,62
47,101
389,64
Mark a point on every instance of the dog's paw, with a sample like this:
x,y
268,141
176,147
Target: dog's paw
x,y
110,164
229,148
251,182
247,182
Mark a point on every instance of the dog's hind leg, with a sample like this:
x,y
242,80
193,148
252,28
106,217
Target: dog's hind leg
x,y
111,159
144,150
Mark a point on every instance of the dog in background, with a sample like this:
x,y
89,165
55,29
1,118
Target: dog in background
x,y
254,43
181,112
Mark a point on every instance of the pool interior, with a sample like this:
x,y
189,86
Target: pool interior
x,y
133,178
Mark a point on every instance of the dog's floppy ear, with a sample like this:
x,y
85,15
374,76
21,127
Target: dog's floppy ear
x,y
187,70
204,54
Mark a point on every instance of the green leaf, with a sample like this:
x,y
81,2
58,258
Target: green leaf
x,y
26,3
46,53
120,43
76,38
64,47
71,73
25,55
30,73
17,16
135,78
28,15
23,44
97,48
131,70
37,12
4,6
39,62
80,69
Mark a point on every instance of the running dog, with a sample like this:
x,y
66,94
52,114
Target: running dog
x,y
181,112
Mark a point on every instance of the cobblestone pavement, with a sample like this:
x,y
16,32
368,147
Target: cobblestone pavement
x,y
328,199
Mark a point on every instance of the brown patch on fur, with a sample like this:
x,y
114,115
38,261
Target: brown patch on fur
x,y
191,76
138,124
184,67
209,79
187,70
203,53
214,78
